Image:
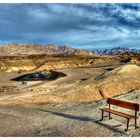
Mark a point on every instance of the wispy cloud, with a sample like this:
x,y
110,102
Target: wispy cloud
x,y
90,26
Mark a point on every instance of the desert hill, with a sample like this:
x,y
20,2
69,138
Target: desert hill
x,y
111,83
42,62
120,80
100,85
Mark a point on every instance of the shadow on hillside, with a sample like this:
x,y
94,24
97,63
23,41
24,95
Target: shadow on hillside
x,y
86,119
37,76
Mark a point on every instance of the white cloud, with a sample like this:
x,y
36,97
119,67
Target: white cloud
x,y
78,25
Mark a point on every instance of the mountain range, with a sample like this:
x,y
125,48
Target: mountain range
x,y
29,49
115,51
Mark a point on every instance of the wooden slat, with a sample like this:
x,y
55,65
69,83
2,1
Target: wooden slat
x,y
119,113
124,104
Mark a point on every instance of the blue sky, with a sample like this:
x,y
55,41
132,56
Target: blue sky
x,y
87,26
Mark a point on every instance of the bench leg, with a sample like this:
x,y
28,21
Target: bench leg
x,y
102,115
127,125
110,116
136,124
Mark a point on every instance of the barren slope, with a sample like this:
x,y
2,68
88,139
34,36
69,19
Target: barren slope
x,y
89,85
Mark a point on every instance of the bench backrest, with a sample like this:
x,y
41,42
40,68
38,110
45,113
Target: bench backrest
x,y
124,104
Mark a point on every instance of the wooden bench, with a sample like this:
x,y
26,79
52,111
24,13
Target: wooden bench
x,y
124,104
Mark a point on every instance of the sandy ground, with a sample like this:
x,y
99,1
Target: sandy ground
x,y
18,118
63,120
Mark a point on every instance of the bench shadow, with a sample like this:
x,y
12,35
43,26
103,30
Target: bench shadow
x,y
86,119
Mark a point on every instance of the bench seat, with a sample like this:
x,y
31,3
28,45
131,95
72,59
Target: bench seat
x,y
119,113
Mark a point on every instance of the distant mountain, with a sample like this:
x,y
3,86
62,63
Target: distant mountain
x,y
118,50
29,49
